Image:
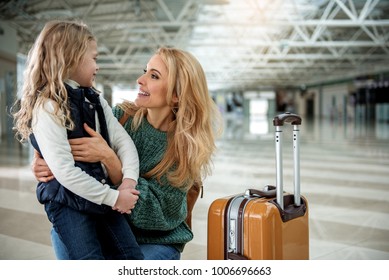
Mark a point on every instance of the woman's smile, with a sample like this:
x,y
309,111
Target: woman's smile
x,y
143,93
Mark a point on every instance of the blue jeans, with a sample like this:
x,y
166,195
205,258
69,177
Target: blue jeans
x,y
92,236
150,251
160,252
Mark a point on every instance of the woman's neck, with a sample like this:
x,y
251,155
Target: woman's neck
x,y
160,119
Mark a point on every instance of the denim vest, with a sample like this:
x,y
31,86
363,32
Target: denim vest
x,y
81,112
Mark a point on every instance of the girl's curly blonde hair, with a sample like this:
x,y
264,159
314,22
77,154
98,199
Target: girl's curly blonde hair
x,y
55,54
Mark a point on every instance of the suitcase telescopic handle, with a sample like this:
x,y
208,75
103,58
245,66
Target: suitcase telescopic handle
x,y
278,122
286,118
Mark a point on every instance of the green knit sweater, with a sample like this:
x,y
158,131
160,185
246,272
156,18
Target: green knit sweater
x,y
160,213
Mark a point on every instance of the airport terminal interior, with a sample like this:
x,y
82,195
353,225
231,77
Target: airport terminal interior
x,y
325,60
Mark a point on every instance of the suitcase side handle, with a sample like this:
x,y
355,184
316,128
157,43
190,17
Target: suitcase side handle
x,y
268,192
286,117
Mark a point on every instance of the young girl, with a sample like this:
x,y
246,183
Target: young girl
x,y
174,124
59,103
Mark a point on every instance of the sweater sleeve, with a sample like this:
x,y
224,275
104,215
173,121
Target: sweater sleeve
x,y
159,207
122,144
55,148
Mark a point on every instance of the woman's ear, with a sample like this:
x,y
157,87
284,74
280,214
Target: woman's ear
x,y
175,98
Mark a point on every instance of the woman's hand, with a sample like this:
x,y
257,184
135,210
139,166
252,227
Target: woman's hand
x,y
90,149
40,169
96,149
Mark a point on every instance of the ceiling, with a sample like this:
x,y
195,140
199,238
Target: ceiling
x,y
242,44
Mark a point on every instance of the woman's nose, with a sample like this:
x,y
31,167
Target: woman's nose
x,y
140,80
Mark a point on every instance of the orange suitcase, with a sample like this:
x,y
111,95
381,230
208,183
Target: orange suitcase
x,y
263,224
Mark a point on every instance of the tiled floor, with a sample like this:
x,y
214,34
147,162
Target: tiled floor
x,y
344,175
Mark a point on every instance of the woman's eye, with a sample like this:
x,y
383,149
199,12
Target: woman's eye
x,y
152,74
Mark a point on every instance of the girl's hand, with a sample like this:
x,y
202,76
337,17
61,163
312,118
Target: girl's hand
x,y
126,200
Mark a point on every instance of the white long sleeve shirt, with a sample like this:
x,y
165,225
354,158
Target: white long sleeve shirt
x,y
54,145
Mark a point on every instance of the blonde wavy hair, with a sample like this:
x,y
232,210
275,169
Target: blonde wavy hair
x,y
56,52
197,123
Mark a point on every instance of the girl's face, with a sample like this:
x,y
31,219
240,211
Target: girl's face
x,y
153,85
86,70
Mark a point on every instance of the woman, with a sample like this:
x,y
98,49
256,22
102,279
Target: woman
x,y
173,123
